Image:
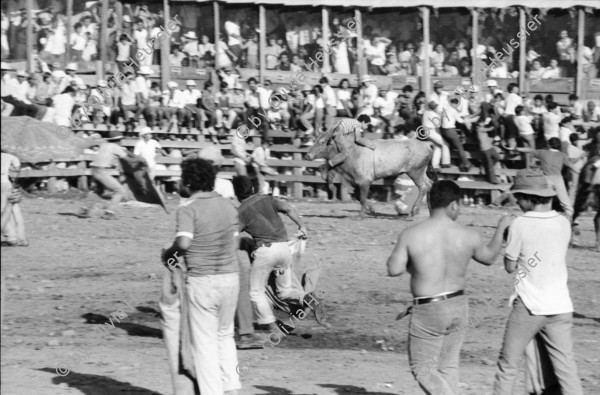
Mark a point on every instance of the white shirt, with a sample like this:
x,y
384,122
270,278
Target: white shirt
x,y
77,42
441,99
369,94
342,95
387,104
232,28
140,37
539,242
176,100
10,85
9,162
449,117
329,96
523,122
224,188
142,86
551,73
147,150
63,108
191,96
550,121
564,134
512,101
431,120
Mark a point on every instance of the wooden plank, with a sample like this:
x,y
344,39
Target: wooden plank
x,y
550,85
522,49
165,50
29,35
103,38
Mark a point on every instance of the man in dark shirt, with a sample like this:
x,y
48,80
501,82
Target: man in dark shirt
x,y
259,217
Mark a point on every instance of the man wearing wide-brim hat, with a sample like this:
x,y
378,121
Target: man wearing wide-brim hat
x,y
107,159
190,48
12,93
542,310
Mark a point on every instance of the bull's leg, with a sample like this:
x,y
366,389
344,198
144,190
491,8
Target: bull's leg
x,y
364,194
423,183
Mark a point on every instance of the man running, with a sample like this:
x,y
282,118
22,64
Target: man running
x,y
436,253
348,126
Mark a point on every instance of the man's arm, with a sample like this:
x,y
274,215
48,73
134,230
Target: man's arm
x,y
365,142
487,253
284,207
398,260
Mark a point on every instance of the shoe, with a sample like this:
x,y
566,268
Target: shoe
x,y
317,306
285,329
309,132
108,215
250,342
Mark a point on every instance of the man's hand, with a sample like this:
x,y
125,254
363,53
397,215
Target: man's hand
x,y
303,232
14,196
505,221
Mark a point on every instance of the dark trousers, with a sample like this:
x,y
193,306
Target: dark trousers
x,y
452,138
22,108
490,157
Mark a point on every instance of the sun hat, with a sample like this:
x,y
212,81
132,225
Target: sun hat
x,y
438,84
145,70
306,88
114,135
190,83
211,153
71,66
172,84
145,130
532,182
491,83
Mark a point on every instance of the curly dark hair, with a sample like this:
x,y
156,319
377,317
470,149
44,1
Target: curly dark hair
x,y
198,175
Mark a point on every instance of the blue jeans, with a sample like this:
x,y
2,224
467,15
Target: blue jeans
x,y
435,338
522,326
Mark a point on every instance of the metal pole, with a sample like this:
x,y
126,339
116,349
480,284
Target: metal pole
x,y
103,36
425,75
522,49
325,37
580,37
165,50
474,43
262,23
217,19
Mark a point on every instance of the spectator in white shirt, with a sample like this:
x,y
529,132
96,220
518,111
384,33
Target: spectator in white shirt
x,y
234,39
77,42
190,48
369,93
523,122
553,71
191,95
592,112
176,57
537,71
575,107
331,102
431,124
511,102
448,131
174,105
257,101
130,102
206,49
344,100
146,148
386,110
551,121
63,106
438,95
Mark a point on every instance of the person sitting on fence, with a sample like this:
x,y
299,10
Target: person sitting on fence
x,y
191,95
154,111
223,109
130,102
146,147
236,103
349,126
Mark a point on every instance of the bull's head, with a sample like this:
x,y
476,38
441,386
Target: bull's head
x,y
321,147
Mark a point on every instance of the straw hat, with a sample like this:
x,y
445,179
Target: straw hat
x,y
211,153
366,78
191,35
307,88
172,84
145,130
190,83
71,66
145,70
491,83
438,84
532,182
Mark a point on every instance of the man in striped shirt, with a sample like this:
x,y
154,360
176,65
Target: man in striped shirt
x,y
347,126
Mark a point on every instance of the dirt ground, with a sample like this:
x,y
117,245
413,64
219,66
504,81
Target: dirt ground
x,y
77,272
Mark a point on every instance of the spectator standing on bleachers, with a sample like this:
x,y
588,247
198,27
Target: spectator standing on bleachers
x,y
552,71
234,38
206,50
431,122
551,120
146,147
106,159
15,227
226,75
191,96
77,42
563,47
552,163
191,49
140,39
524,125
224,57
174,105
124,51
511,132
331,102
406,106
272,52
341,63
564,132
490,154
386,110
250,50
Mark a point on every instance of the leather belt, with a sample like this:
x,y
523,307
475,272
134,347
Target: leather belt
x,y
438,298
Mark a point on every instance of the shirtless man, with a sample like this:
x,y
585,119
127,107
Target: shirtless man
x,y
436,253
350,126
